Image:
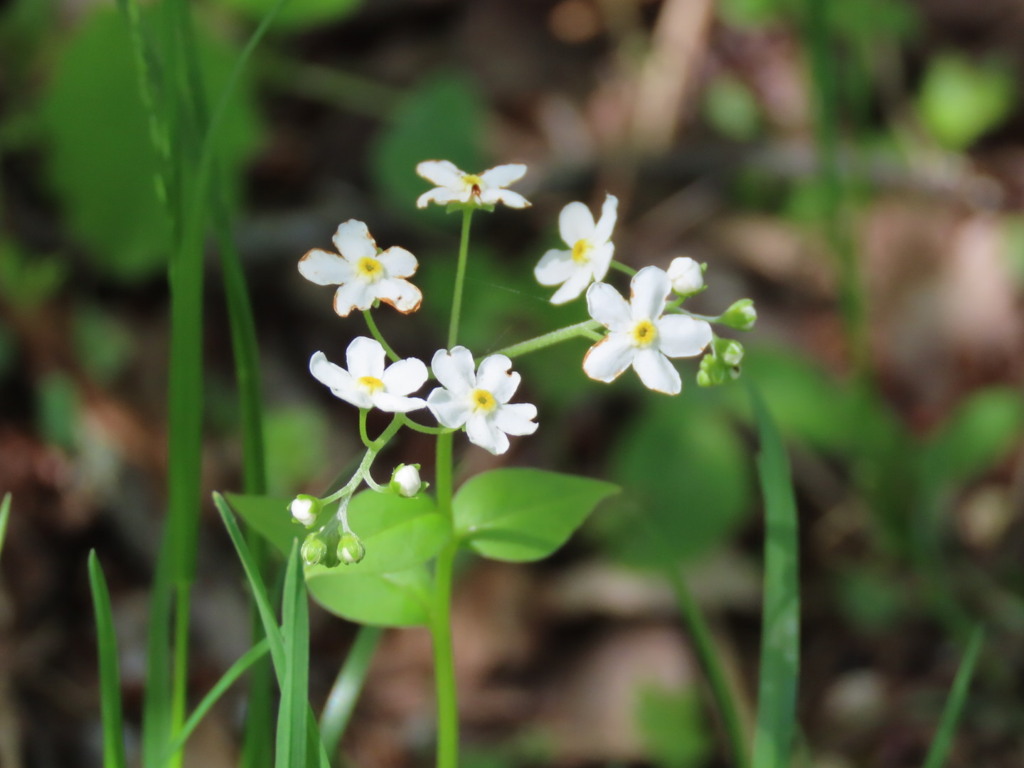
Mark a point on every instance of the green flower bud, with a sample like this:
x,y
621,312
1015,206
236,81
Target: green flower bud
x,y
350,549
730,352
314,549
741,315
305,508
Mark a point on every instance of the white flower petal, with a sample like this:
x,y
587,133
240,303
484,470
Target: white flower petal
x,y
601,260
365,357
503,175
399,293
454,370
609,357
325,268
649,290
353,295
506,196
353,241
575,222
495,376
607,306
439,195
326,372
554,267
405,376
450,411
443,173
682,336
656,372
572,287
609,215
686,275
516,419
398,262
483,432
390,403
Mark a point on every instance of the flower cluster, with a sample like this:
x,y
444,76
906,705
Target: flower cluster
x,y
645,332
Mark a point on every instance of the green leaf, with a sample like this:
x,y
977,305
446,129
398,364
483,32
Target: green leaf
x,y
673,726
296,14
520,515
780,628
296,438
398,533
441,119
101,162
960,100
400,599
110,678
292,711
686,473
5,515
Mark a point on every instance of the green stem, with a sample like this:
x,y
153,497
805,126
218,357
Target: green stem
x,y
440,623
724,695
444,660
180,677
363,434
550,339
362,471
392,355
460,278
623,268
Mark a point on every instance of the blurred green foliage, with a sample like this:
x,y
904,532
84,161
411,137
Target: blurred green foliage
x,y
100,160
296,14
673,725
962,100
296,442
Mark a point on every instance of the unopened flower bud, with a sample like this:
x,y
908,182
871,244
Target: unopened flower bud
x,y
687,275
729,351
350,549
305,508
405,480
712,371
314,549
741,315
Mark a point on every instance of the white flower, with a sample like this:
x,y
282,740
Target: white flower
x,y
590,250
639,335
405,480
366,383
686,275
479,401
362,274
483,189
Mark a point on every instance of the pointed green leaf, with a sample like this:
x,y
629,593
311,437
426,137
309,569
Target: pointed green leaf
x,y
519,515
398,533
400,599
110,678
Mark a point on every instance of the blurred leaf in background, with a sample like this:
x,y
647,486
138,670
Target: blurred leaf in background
x,y
295,14
101,163
962,100
296,440
673,726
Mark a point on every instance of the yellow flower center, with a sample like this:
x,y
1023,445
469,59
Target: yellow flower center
x,y
473,181
483,401
581,251
644,333
370,269
371,384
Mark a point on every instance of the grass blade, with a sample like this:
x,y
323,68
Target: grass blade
x,y
236,670
939,750
259,589
347,687
291,719
5,515
780,633
110,677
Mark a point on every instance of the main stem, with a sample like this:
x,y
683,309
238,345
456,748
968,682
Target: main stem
x,y
460,277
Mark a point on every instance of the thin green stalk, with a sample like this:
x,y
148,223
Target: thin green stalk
x,y
347,687
179,678
375,331
550,339
460,277
444,660
726,698
939,750
5,514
